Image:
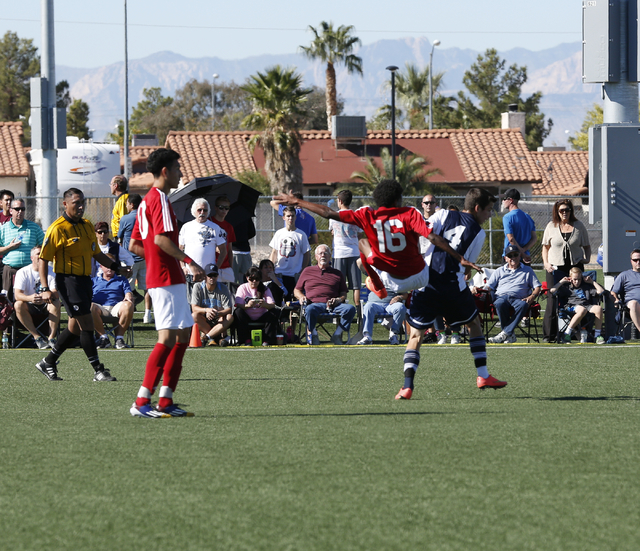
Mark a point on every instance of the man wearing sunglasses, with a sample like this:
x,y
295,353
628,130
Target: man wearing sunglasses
x,y
626,287
222,207
108,246
17,237
516,286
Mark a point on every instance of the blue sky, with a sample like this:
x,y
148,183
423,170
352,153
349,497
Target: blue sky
x,y
89,33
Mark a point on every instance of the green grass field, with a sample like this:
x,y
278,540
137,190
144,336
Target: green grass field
x,y
306,449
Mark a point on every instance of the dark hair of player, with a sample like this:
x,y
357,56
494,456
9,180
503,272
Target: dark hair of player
x,y
135,200
388,193
161,158
72,191
478,196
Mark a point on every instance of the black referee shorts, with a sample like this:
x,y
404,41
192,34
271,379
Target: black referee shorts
x,y
76,293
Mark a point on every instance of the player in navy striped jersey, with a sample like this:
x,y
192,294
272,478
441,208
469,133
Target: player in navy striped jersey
x,y
447,293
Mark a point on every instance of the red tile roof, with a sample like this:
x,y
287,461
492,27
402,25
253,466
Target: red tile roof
x,y
208,153
563,172
464,157
13,160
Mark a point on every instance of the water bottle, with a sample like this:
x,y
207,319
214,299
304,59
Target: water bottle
x,y
5,340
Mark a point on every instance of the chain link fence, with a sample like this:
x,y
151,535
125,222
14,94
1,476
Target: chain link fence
x,y
267,221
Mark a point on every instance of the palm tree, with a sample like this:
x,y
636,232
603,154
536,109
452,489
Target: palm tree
x,y
412,89
332,46
411,172
276,96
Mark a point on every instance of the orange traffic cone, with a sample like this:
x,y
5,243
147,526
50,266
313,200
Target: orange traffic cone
x,y
196,341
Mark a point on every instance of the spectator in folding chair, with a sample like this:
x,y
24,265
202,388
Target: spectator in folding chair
x,y
254,303
516,286
29,303
392,304
112,297
322,289
582,296
111,248
626,288
211,305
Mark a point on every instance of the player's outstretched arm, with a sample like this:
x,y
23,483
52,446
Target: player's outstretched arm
x,y
320,210
443,244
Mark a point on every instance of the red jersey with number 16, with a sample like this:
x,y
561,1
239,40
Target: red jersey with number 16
x,y
394,235
155,216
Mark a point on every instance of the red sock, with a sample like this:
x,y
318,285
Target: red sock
x,y
172,370
155,364
378,286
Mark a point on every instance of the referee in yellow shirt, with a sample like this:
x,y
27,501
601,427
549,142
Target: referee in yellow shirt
x,y
70,242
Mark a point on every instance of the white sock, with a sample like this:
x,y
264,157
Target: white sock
x,y
147,312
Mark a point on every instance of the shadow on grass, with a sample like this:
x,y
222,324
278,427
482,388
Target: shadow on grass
x,y
366,414
578,398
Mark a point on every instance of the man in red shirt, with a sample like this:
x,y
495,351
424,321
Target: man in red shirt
x,y
220,211
390,253
155,237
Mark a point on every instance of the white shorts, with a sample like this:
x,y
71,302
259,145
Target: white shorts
x,y
395,285
170,307
113,311
226,275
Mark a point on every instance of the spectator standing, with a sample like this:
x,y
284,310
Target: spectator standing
x,y
112,296
17,237
110,247
70,242
138,279
211,304
218,217
304,221
290,251
626,286
322,289
514,286
345,249
6,196
565,244
519,227
242,249
155,237
254,302
201,240
435,332
583,297
29,302
119,186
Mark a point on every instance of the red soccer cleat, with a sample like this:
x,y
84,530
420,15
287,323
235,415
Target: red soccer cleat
x,y
405,394
490,382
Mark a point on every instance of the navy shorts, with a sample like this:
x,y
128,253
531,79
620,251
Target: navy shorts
x,y
457,307
76,293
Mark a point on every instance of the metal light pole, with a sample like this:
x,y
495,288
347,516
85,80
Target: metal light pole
x,y
393,70
213,101
435,43
127,172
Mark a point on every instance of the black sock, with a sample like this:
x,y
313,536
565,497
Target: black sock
x,y
65,340
89,346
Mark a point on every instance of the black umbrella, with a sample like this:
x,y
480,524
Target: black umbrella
x,y
243,198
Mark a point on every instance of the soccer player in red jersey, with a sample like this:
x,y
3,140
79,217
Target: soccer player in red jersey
x,y
390,253
155,237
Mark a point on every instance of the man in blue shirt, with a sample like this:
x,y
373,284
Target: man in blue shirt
x,y
111,297
519,227
516,286
17,237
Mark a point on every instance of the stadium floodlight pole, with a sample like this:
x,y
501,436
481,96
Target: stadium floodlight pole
x,y
393,70
436,42
49,166
125,148
213,100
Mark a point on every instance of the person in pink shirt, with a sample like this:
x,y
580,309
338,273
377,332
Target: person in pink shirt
x,y
254,302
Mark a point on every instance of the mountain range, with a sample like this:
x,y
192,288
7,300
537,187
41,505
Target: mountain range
x,y
556,72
